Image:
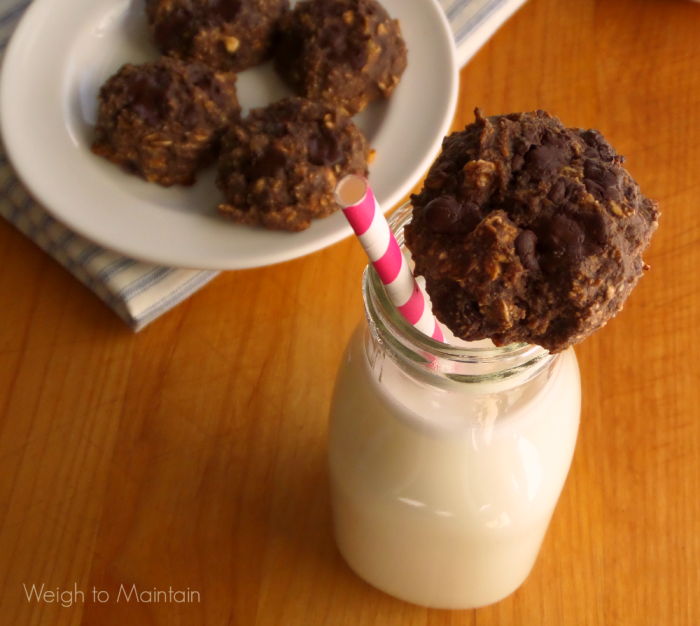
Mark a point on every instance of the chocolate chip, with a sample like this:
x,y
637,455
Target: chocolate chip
x,y
447,216
470,217
203,78
439,174
324,150
614,194
596,141
550,264
148,97
601,182
543,161
525,248
227,10
219,97
591,137
131,166
610,178
557,194
268,164
199,74
189,115
442,214
591,153
550,138
593,169
356,57
561,234
594,226
594,188
591,248
521,145
607,153
530,134
598,173
175,27
334,39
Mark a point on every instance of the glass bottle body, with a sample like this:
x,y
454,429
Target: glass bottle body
x,y
446,462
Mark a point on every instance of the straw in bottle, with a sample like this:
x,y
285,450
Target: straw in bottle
x,y
361,209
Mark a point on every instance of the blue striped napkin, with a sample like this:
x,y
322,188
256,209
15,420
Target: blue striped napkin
x,y
473,22
139,292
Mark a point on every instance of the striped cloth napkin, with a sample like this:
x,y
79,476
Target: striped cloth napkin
x,y
139,292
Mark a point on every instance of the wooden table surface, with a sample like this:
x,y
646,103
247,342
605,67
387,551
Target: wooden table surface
x,y
192,455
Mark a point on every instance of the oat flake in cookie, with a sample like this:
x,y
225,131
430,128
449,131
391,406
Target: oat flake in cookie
x,y
164,120
342,52
226,34
527,231
279,166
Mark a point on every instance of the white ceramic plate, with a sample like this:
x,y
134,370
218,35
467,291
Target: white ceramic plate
x,y
62,52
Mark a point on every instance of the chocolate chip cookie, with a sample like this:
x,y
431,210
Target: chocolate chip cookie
x,y
164,120
279,166
230,35
527,231
342,52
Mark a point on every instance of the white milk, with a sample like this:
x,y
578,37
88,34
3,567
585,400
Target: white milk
x,y
442,491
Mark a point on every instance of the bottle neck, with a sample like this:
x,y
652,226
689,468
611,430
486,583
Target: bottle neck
x,y
434,361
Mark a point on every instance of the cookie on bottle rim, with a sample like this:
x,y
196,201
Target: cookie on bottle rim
x,y
528,231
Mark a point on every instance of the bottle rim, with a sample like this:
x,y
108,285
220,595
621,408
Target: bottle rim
x,y
412,348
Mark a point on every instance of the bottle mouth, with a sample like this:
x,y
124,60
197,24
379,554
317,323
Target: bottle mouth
x,y
410,347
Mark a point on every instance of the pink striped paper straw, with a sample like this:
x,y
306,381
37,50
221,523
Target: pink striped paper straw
x,y
355,196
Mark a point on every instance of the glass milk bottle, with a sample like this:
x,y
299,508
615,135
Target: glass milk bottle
x,y
446,461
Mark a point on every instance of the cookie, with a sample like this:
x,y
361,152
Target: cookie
x,y
279,166
527,231
230,35
164,120
345,53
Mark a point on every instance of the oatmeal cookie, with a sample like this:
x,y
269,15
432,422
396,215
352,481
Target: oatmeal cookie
x,y
342,52
164,120
230,35
279,166
527,231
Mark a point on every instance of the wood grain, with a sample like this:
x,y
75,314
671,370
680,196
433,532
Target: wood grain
x,y
192,455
